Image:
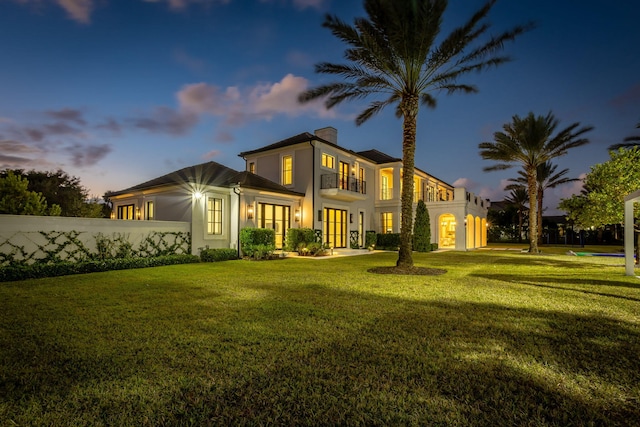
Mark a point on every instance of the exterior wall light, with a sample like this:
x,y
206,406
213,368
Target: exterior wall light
x,y
138,213
198,195
296,215
250,211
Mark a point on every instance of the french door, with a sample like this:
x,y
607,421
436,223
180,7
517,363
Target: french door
x,y
276,217
335,227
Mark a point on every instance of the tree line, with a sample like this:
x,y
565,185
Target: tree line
x,y
53,193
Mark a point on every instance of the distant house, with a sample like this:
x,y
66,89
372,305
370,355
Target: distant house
x,y
307,180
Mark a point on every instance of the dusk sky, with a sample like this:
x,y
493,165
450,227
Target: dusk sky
x,y
120,92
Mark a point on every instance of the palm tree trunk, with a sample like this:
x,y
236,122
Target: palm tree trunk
x,y
540,196
520,220
532,184
409,107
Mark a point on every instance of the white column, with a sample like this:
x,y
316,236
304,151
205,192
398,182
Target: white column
x,y
628,237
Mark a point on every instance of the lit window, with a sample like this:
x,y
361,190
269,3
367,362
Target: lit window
x,y
214,216
252,167
287,170
387,222
126,212
386,190
149,212
328,161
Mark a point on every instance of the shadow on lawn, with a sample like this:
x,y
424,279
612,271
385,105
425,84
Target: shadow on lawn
x,y
316,355
539,281
512,259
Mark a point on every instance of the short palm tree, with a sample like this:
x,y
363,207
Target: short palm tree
x,y
630,141
519,198
393,53
530,142
547,178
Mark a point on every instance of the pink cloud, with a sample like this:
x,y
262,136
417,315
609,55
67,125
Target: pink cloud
x,y
282,98
211,154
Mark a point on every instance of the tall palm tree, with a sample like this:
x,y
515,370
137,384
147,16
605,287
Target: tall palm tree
x,y
519,198
393,54
630,141
547,178
529,142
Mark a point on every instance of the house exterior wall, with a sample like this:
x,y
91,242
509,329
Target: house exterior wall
x,y
200,236
183,204
354,197
323,190
335,187
269,165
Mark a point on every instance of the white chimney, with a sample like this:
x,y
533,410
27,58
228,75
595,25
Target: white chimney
x,y
328,134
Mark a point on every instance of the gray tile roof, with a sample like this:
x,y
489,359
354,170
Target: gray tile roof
x,y
297,139
378,156
249,180
210,173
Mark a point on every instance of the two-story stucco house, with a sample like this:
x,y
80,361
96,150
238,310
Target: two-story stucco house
x,y
308,180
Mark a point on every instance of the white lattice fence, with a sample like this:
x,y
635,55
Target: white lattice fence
x,y
29,239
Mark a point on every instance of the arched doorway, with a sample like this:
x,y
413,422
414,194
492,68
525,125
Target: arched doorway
x,y
478,232
484,232
447,228
470,231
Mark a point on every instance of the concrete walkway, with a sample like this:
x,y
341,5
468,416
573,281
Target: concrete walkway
x,y
335,253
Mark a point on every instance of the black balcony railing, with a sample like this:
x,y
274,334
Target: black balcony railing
x,y
335,180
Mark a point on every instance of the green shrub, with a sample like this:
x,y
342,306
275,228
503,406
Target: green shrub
x,y
296,236
370,239
422,229
434,246
218,254
388,241
258,243
63,268
104,247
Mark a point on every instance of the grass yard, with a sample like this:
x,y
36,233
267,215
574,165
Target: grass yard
x,y
502,338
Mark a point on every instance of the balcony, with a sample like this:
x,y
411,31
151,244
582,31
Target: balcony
x,y
340,187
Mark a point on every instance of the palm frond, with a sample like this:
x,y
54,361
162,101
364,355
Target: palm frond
x,y
373,109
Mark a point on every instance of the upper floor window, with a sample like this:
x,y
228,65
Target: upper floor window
x,y
344,175
214,216
252,167
328,161
287,170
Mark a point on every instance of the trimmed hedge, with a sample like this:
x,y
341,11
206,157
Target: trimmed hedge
x,y
257,243
297,236
218,254
422,229
370,239
39,270
388,241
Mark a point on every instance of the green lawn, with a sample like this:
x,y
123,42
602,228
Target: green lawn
x,y
502,338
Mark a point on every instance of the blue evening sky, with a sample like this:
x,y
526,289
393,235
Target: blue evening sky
x,y
119,92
